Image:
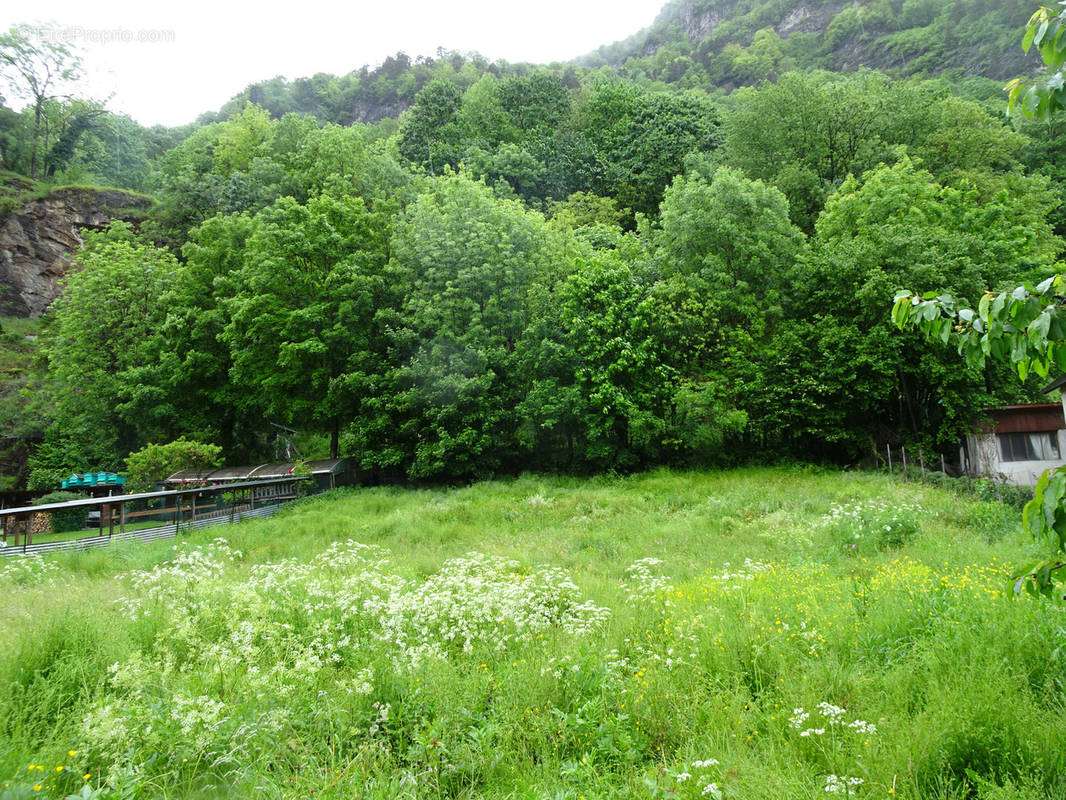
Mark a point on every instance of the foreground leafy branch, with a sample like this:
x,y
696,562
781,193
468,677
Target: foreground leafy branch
x,y
1027,327
1044,96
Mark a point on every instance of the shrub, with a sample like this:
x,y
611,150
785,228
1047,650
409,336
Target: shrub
x,y
70,519
873,525
155,462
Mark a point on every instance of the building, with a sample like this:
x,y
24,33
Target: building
x,y
326,474
1016,444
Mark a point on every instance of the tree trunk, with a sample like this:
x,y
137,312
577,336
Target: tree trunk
x,y
335,439
37,109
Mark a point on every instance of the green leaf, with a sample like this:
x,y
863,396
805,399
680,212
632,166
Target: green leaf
x,y
1038,328
901,311
984,304
1018,583
1027,40
1056,354
1019,349
1053,495
1039,33
998,303
1032,100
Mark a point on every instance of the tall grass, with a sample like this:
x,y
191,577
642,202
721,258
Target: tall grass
x,y
760,633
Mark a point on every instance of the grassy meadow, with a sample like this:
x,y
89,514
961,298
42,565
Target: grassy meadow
x,y
758,633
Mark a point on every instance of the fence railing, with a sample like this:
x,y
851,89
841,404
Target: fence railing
x,y
145,516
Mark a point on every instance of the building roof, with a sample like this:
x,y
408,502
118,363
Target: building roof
x,y
1058,383
1029,418
281,469
126,498
94,479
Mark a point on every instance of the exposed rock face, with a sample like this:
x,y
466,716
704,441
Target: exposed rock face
x,y
367,111
37,240
874,44
699,23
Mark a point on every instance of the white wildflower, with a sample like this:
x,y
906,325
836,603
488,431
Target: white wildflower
x,y
710,762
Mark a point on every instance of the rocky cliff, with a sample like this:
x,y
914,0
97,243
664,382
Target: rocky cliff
x,y
36,241
931,37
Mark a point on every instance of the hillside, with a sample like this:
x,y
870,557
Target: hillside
x,y
729,42
706,44
556,268
39,230
19,418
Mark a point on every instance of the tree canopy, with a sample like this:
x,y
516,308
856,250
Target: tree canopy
x,y
562,268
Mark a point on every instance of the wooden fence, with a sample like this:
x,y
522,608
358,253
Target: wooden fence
x,y
175,510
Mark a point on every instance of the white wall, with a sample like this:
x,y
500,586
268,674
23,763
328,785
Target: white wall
x,y
984,460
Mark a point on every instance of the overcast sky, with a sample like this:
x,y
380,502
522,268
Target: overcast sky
x,y
169,62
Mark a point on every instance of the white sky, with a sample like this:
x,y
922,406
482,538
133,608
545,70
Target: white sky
x,y
218,48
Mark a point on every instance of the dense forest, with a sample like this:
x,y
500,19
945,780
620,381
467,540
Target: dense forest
x,y
680,249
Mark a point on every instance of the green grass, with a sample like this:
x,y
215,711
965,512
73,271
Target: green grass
x,y
16,191
16,351
88,533
612,635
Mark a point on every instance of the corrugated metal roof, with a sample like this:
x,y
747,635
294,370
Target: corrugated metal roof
x,y
1030,418
277,470
125,498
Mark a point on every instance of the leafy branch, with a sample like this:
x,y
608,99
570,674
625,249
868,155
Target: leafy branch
x,y
1042,97
1027,327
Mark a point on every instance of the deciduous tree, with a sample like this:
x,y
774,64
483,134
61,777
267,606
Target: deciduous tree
x,y
301,329
37,68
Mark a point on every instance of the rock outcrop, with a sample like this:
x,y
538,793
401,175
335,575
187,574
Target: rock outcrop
x,y
843,36
37,240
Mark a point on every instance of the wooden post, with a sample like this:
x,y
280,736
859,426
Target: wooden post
x,y
921,459
904,450
122,516
943,471
888,449
194,508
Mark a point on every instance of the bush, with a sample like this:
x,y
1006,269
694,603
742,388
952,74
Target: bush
x,y
872,525
156,462
71,519
1016,496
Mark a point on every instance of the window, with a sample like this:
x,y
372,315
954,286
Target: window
x,y
1037,446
